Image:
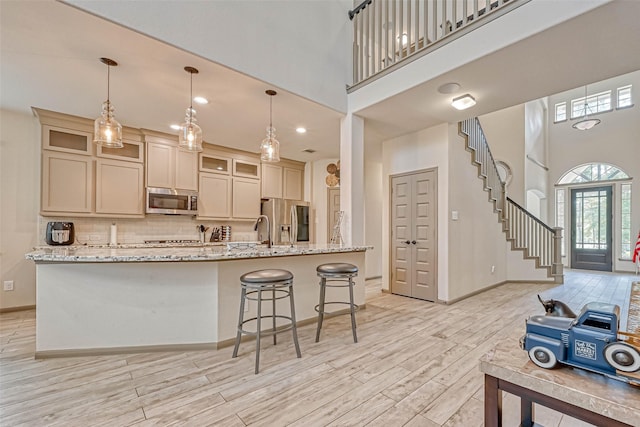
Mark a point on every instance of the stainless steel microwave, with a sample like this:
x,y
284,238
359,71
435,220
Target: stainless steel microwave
x,y
171,202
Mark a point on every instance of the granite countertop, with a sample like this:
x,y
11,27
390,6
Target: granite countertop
x,y
139,253
594,392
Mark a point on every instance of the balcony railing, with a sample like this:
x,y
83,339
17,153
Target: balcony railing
x,y
388,32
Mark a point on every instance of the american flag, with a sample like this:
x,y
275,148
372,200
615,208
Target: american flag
x,y
636,252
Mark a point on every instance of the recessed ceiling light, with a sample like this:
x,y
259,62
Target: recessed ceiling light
x,y
463,102
449,88
175,127
201,100
301,130
309,150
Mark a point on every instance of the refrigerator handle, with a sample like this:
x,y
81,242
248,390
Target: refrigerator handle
x,y
293,230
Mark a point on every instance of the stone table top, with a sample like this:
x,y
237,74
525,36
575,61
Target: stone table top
x,y
73,254
594,392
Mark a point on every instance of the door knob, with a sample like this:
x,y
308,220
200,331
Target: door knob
x,y
413,242
407,242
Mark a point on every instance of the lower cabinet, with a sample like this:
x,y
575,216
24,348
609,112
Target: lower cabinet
x,y
119,187
67,183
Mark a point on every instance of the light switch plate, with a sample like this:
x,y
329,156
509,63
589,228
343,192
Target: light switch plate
x,y
454,215
8,285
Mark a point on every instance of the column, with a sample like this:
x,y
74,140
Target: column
x,y
352,179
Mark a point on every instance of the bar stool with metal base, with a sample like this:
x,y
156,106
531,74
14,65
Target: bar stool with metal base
x,y
266,285
330,274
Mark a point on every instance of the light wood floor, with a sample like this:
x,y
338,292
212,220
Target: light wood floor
x,y
415,365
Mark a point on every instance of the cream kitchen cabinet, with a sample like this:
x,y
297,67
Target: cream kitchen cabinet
x,y
119,187
171,167
271,181
67,184
214,196
131,151
282,181
292,186
57,138
246,198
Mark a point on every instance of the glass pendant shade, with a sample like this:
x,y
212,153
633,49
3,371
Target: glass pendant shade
x,y
190,137
270,147
107,132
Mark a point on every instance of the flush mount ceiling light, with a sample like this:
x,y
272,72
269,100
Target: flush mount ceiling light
x,y
190,136
448,88
106,129
301,130
586,123
463,102
201,100
270,147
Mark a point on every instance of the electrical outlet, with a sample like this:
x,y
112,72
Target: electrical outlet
x,y
8,285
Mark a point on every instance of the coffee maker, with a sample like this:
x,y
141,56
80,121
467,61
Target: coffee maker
x,y
60,233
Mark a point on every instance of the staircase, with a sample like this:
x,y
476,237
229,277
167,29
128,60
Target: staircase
x,y
523,230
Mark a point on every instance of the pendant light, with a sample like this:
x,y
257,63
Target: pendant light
x,y
107,132
586,123
270,147
190,136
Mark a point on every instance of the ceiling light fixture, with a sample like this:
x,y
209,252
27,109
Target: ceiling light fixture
x,y
586,123
463,102
201,100
106,129
301,130
190,136
270,147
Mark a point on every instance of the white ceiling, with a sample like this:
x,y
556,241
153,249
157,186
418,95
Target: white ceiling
x,y
50,59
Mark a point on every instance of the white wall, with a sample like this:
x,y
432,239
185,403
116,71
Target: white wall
x,y
613,141
373,199
301,46
476,239
420,150
19,204
504,131
536,178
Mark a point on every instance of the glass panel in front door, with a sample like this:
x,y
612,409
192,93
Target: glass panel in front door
x,y
591,228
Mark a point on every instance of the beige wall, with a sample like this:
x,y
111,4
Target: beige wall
x,y
504,130
19,204
420,150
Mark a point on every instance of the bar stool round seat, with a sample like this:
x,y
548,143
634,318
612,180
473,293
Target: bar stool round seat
x,y
260,286
336,275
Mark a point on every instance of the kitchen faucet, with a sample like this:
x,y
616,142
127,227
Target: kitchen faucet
x,y
255,228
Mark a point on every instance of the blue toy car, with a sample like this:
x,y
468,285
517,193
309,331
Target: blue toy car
x,y
591,341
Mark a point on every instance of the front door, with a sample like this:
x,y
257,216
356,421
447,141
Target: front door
x,y
413,235
591,245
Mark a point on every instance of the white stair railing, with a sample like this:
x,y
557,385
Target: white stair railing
x,y
386,32
526,233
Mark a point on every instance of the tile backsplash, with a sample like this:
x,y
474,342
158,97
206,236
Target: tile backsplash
x,y
96,231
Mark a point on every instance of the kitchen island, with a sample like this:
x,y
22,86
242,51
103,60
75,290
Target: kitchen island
x,y
93,300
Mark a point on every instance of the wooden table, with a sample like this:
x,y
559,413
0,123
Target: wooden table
x,y
587,396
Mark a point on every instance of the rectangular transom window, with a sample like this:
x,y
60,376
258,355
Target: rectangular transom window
x,y
597,103
624,97
561,112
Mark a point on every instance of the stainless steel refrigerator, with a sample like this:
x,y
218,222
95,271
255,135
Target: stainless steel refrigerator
x,y
288,219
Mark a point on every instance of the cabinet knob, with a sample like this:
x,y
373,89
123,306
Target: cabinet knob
x,y
413,242
407,242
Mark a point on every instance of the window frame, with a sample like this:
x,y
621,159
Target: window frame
x,y
618,90
560,104
578,112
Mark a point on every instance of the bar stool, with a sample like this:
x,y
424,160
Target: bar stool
x,y
277,284
342,273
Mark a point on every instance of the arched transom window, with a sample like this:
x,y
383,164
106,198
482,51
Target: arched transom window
x,y
592,172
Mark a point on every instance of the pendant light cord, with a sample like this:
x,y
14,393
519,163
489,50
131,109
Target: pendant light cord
x,y
271,111
191,98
